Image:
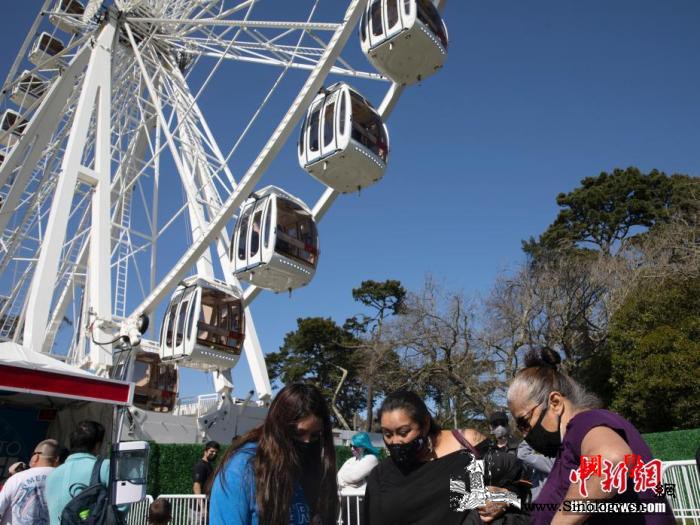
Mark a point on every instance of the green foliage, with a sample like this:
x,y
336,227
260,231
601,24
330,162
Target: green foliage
x,y
385,298
671,446
315,353
173,467
611,207
170,466
654,344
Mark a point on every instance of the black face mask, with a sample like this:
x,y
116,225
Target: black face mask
x,y
405,455
309,453
542,440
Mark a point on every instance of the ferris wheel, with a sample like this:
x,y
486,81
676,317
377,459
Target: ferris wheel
x,y
103,124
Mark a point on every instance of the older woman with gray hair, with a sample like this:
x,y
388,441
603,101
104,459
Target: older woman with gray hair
x,y
559,418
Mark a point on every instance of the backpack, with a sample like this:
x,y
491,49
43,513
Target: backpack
x,y
91,506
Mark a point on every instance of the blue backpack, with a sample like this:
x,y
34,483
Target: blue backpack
x,y
91,506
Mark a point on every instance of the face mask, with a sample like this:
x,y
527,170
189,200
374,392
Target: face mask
x,y
405,455
357,452
308,452
542,440
500,432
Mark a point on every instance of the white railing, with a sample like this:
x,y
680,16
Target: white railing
x,y
188,509
351,503
186,407
686,503
138,512
206,403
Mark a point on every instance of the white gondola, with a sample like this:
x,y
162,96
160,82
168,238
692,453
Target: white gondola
x,y
404,39
343,142
45,47
28,89
9,119
204,325
68,7
155,382
275,242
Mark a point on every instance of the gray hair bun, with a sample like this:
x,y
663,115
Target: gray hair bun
x,y
543,356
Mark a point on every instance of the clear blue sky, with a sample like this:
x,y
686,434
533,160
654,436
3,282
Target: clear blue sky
x,y
534,97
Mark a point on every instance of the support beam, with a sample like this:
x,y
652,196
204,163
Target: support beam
x,y
94,96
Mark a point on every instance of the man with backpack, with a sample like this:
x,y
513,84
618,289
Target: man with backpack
x,y
76,492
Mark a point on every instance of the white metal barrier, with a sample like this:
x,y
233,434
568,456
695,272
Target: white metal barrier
x,y
686,503
188,509
138,512
351,501
207,403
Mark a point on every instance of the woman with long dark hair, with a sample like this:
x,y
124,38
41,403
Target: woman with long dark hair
x,y
282,472
433,476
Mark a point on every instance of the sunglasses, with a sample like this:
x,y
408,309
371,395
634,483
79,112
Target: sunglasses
x,y
522,423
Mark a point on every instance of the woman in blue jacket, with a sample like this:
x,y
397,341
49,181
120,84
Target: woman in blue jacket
x,y
282,472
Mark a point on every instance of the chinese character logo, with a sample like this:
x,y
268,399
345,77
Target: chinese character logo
x,y
642,476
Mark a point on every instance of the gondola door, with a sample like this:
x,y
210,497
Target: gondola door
x,y
408,13
269,230
329,128
239,246
392,17
312,131
182,330
255,252
343,119
166,336
375,24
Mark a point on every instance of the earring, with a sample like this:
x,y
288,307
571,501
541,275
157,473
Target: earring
x,y
431,449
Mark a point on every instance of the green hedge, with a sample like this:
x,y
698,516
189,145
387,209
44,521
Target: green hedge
x,y
170,465
670,446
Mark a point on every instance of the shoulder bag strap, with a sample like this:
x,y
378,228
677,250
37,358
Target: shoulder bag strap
x,y
459,436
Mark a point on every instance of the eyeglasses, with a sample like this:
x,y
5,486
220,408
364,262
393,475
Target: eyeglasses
x,y
522,423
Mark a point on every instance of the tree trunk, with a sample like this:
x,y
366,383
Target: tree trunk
x,y
370,407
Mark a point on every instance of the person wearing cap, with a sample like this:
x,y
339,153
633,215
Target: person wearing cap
x,y
364,458
505,442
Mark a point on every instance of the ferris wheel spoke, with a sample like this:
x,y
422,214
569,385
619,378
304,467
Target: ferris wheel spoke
x,y
214,22
272,147
261,52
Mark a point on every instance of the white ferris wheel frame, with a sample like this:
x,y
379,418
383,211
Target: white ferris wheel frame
x,y
40,324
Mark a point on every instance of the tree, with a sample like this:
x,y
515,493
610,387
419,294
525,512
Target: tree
x,y
608,209
440,355
379,362
315,353
654,348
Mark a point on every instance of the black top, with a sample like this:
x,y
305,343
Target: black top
x,y
201,472
421,496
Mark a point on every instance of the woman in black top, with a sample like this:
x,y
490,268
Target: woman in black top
x,y
427,477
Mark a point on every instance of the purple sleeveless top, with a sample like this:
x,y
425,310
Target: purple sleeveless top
x,y
554,489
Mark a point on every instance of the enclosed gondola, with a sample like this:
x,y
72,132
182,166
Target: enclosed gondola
x,y
28,89
45,47
343,142
204,325
11,120
404,39
67,15
275,242
155,382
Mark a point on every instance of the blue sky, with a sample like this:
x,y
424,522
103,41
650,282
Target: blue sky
x,y
535,96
